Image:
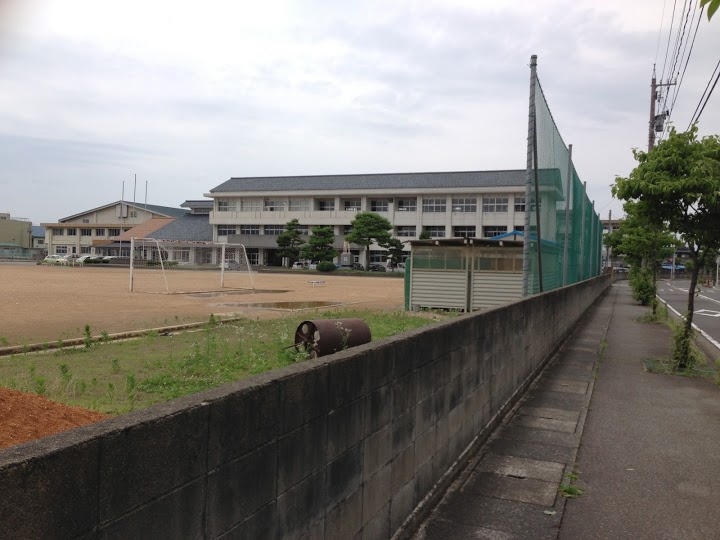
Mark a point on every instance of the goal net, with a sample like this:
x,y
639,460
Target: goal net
x,y
182,267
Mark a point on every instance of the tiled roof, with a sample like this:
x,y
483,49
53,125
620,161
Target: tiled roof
x,y
462,179
168,211
192,227
204,203
144,229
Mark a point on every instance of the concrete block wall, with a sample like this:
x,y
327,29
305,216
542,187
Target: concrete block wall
x,y
339,447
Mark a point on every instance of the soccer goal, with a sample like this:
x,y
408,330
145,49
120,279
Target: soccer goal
x,y
182,267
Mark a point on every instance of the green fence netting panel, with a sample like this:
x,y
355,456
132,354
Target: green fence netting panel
x,y
570,231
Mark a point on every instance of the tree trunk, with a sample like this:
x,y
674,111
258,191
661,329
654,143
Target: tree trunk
x,y
684,351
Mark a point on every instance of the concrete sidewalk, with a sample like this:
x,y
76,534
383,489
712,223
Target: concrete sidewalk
x,y
646,447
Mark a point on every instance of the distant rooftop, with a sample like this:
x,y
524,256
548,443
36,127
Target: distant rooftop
x,y
368,182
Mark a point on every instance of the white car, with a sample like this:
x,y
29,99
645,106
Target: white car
x,y
55,259
230,264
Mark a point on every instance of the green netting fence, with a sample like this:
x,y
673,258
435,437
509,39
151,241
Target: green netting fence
x,y
563,234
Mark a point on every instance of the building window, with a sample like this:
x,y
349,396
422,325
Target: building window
x,y
326,204
253,255
298,205
198,211
519,204
57,232
85,232
61,250
84,250
464,232
273,229
86,221
114,232
405,230
490,231
464,204
495,204
304,229
133,213
377,256
347,229
352,205
181,255
379,205
225,230
99,232
250,205
406,205
274,205
519,228
435,231
434,205
226,205
249,229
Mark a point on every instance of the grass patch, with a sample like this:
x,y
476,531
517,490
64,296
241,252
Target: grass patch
x,y
568,488
116,377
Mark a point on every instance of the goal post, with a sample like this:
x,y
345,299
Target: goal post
x,y
185,266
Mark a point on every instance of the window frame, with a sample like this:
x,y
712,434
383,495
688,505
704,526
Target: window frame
x,y
464,204
434,205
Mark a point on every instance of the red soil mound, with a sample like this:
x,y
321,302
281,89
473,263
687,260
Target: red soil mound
x,y
24,417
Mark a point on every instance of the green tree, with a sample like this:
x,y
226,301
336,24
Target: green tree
x,y
319,246
369,227
713,7
677,185
424,235
644,246
395,250
290,240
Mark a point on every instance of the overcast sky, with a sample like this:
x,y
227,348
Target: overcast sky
x,y
188,94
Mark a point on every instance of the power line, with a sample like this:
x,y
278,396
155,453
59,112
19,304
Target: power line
x,y
667,49
687,60
662,19
679,38
696,115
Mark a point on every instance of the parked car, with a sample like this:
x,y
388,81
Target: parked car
x,y
399,267
298,266
54,259
82,258
231,264
377,267
312,266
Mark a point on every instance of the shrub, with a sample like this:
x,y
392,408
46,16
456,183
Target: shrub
x,y
641,282
325,266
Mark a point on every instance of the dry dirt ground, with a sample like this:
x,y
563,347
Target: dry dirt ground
x,y
46,303
41,304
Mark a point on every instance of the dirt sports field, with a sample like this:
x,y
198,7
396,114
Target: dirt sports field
x,y
41,304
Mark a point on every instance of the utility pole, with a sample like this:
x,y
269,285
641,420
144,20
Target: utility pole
x,y
656,120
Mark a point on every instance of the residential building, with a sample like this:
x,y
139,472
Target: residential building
x,y
87,232
184,232
15,237
476,204
38,240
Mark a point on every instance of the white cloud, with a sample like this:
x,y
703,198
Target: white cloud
x,y
187,94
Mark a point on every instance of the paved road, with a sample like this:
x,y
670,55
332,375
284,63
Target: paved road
x,y
707,305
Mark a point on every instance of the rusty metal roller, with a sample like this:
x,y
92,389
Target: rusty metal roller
x,y
326,336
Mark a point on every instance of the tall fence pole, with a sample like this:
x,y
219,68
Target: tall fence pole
x,y
582,233
568,197
529,177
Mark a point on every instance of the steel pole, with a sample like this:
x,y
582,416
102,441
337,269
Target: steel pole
x,y
529,177
568,196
